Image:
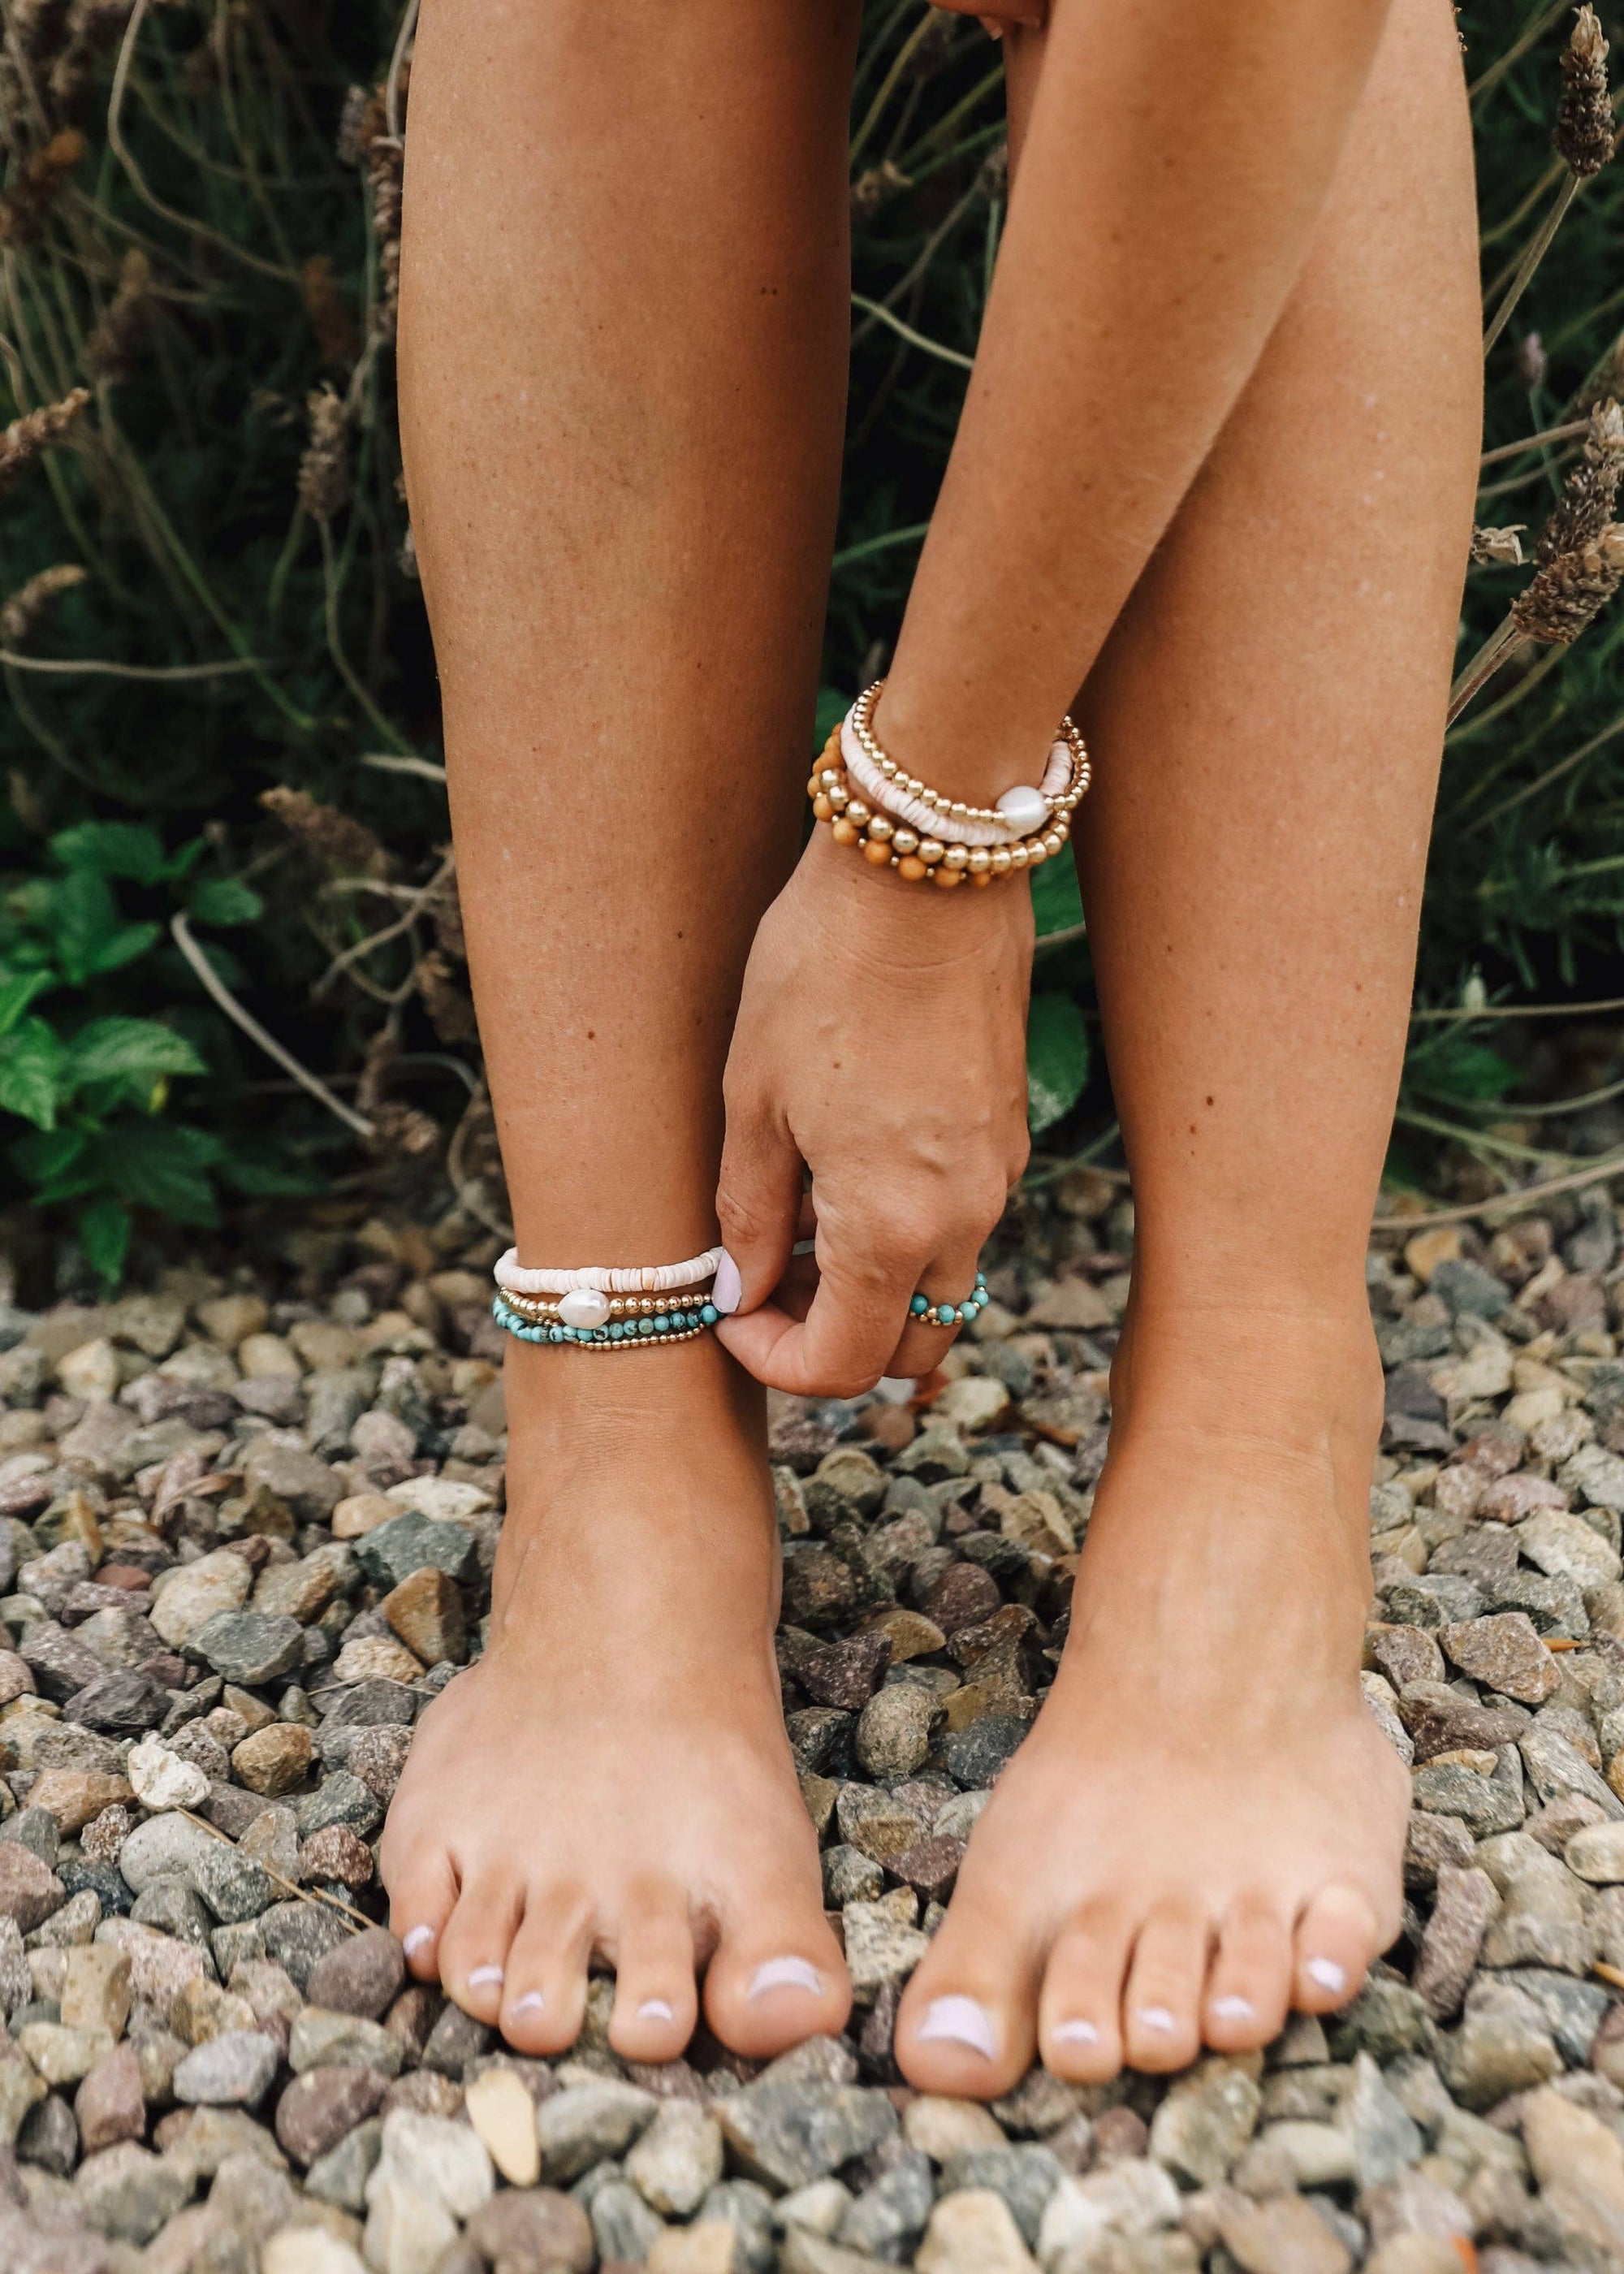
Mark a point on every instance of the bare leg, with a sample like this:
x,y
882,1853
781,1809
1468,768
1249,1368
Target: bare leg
x,y
623,331
1205,1827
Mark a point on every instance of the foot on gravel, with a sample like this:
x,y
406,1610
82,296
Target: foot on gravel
x,y
612,1780
1205,1827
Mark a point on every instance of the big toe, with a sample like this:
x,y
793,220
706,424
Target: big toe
x,y
965,2026
777,1976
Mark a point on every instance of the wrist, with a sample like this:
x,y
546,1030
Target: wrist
x,y
873,901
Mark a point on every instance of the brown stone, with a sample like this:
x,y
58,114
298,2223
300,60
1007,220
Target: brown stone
x,y
335,1853
29,1892
533,2230
962,1597
76,1796
274,1758
318,2108
110,2105
426,1611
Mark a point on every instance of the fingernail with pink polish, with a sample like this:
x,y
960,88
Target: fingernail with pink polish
x,y
959,2021
728,1289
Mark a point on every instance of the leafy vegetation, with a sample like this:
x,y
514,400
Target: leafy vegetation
x,y
224,822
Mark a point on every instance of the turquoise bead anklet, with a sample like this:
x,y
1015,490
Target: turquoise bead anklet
x,y
950,1314
679,1324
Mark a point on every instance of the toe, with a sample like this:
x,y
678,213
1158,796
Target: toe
x,y
474,1943
656,2003
777,1975
967,2024
1079,2027
1162,2004
1337,1939
422,1884
1250,1986
544,1999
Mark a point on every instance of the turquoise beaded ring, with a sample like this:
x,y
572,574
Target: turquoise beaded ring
x,y
950,1314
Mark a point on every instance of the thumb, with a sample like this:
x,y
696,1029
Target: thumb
x,y
758,1205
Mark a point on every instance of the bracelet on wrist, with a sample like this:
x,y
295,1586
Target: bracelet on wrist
x,y
898,822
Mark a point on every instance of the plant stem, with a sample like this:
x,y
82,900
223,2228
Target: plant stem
x,y
1501,648
1536,248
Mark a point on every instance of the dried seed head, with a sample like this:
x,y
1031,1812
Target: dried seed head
x,y
1584,137
330,319
446,909
396,1129
1565,596
1591,490
408,556
871,189
361,118
112,350
32,193
27,608
35,431
92,27
324,469
447,999
1498,549
386,162
345,846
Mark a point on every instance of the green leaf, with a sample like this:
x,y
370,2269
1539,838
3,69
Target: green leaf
x,y
1057,903
113,848
31,1058
1057,1058
104,1235
136,1053
224,900
18,991
832,706
47,1154
124,945
162,1165
82,917
259,1175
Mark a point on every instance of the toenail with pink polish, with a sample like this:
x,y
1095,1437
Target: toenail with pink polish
x,y
1076,2033
1157,2018
959,2021
1328,1974
419,1938
785,1973
1234,2009
532,2002
483,1976
656,2009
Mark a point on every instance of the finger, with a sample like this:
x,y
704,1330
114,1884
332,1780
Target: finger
x,y
757,1205
953,1281
841,1348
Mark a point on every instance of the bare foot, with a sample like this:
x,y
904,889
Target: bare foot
x,y
1205,1827
612,1777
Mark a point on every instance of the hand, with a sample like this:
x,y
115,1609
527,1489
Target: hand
x,y
881,1043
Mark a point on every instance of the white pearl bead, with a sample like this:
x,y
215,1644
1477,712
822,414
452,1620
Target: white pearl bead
x,y
584,1306
1024,807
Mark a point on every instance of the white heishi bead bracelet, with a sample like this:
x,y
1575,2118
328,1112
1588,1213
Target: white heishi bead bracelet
x,y
1024,810
584,1291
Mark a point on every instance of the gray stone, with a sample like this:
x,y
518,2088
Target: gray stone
x,y
788,2133
297,1934
250,1647
281,1462
533,2230
1466,1902
126,2192
1203,2125
321,2039
341,2176
623,2226
585,2123
391,1552
360,1975
233,2069
1024,2175
887,2218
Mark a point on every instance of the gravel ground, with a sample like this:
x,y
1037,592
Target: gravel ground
x,y
247,1530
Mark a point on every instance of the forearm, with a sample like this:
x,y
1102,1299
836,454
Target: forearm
x,y
1169,183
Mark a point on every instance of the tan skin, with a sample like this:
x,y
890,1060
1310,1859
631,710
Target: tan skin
x,y
1216,462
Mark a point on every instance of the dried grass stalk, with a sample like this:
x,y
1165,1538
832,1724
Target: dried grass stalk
x,y
27,608
35,431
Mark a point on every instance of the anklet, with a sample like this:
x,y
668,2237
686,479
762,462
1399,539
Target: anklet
x,y
536,1311
1021,812
675,1326
606,1279
950,1314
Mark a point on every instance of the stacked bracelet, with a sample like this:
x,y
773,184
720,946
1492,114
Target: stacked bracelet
x,y
599,1306
902,824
